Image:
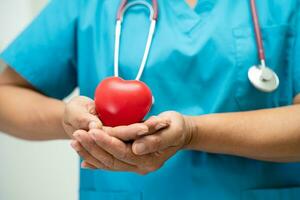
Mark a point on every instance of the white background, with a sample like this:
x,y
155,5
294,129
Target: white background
x,y
32,170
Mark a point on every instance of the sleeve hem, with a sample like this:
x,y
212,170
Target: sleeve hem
x,y
30,76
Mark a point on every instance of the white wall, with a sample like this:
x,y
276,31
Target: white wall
x,y
32,170
14,15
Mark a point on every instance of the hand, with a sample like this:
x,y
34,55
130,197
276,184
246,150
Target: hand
x,y
104,148
175,137
97,147
80,113
80,116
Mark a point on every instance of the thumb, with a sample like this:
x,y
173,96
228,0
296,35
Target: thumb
x,y
87,121
152,143
95,122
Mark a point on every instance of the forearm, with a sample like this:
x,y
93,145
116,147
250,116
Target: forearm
x,y
27,114
270,135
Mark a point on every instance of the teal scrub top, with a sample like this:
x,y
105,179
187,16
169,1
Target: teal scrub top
x,y
197,65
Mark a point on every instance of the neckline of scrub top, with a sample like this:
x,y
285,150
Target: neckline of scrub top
x,y
192,17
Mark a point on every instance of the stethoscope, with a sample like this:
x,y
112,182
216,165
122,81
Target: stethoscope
x,y
261,76
120,15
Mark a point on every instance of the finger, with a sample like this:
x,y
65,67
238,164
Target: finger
x,y
94,124
101,155
89,145
117,148
86,156
153,143
83,121
87,165
156,123
86,121
127,133
72,128
94,120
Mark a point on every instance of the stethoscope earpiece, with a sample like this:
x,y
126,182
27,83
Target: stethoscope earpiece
x,y
263,78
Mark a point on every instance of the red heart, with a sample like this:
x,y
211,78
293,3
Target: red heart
x,y
121,102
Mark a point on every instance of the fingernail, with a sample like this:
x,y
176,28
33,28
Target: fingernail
x,y
139,148
142,132
85,167
160,126
74,145
94,125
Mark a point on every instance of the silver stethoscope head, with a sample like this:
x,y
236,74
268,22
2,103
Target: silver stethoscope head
x,y
263,78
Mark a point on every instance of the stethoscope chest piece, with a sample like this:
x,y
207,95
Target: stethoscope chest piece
x,y
263,78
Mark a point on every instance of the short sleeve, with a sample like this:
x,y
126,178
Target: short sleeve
x,y
296,54
45,52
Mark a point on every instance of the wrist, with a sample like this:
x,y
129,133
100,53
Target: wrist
x,y
62,122
191,131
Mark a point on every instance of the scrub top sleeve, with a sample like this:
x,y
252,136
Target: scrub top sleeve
x,y
296,56
45,52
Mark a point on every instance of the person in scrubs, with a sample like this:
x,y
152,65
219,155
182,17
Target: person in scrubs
x,y
210,133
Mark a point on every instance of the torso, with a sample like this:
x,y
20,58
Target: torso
x,y
197,65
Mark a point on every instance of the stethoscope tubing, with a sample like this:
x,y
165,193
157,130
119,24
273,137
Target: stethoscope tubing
x,y
124,3
263,79
124,6
257,29
255,18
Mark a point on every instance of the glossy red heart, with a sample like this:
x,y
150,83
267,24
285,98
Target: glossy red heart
x,y
121,102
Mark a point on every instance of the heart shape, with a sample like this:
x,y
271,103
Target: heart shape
x,y
122,102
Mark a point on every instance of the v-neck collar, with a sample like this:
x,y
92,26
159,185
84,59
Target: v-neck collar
x,y
189,17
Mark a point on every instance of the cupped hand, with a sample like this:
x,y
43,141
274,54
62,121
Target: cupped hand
x,y
80,117
104,148
110,148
